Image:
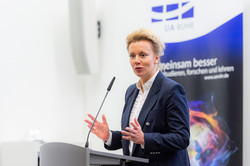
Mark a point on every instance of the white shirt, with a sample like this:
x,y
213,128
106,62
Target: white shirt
x,y
140,99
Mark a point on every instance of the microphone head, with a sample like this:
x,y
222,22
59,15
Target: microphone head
x,y
111,84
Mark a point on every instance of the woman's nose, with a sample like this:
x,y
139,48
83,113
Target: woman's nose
x,y
137,59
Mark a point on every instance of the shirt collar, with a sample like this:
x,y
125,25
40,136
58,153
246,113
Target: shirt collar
x,y
147,85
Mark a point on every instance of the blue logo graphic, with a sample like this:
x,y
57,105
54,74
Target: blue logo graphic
x,y
173,11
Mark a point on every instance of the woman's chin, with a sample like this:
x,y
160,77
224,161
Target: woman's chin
x,y
139,74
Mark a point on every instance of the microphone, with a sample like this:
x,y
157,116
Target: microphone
x,y
108,89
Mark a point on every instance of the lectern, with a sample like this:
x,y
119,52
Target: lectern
x,y
63,154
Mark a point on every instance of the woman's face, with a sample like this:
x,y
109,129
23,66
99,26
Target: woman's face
x,y
143,60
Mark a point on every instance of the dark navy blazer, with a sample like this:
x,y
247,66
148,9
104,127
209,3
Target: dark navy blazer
x,y
164,119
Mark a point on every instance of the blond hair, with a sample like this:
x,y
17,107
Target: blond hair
x,y
146,34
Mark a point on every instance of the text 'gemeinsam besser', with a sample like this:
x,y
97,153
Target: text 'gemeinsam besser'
x,y
188,64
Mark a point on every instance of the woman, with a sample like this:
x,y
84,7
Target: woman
x,y
155,119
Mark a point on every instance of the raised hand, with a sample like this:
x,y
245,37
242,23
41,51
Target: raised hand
x,y
135,133
100,129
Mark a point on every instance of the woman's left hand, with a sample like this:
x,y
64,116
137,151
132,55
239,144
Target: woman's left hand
x,y
134,134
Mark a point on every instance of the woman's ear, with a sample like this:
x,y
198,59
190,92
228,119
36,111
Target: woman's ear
x,y
157,58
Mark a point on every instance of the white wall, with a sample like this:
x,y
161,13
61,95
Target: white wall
x,y
39,88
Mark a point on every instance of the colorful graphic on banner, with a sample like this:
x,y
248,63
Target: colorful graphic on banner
x,y
204,50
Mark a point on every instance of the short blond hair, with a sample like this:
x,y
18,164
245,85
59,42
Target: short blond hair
x,y
146,34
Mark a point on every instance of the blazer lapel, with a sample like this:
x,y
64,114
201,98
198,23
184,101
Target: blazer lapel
x,y
126,115
130,102
151,99
147,106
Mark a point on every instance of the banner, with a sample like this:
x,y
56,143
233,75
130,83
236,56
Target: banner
x,y
204,50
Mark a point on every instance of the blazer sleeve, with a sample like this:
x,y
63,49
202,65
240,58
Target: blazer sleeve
x,y
116,141
176,132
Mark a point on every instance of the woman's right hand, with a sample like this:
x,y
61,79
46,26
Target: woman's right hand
x,y
100,129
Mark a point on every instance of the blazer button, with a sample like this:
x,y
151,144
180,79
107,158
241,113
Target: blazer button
x,y
147,124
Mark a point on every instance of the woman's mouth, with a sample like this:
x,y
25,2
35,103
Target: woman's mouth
x,y
138,68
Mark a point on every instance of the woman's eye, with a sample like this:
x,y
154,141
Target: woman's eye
x,y
132,56
143,55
